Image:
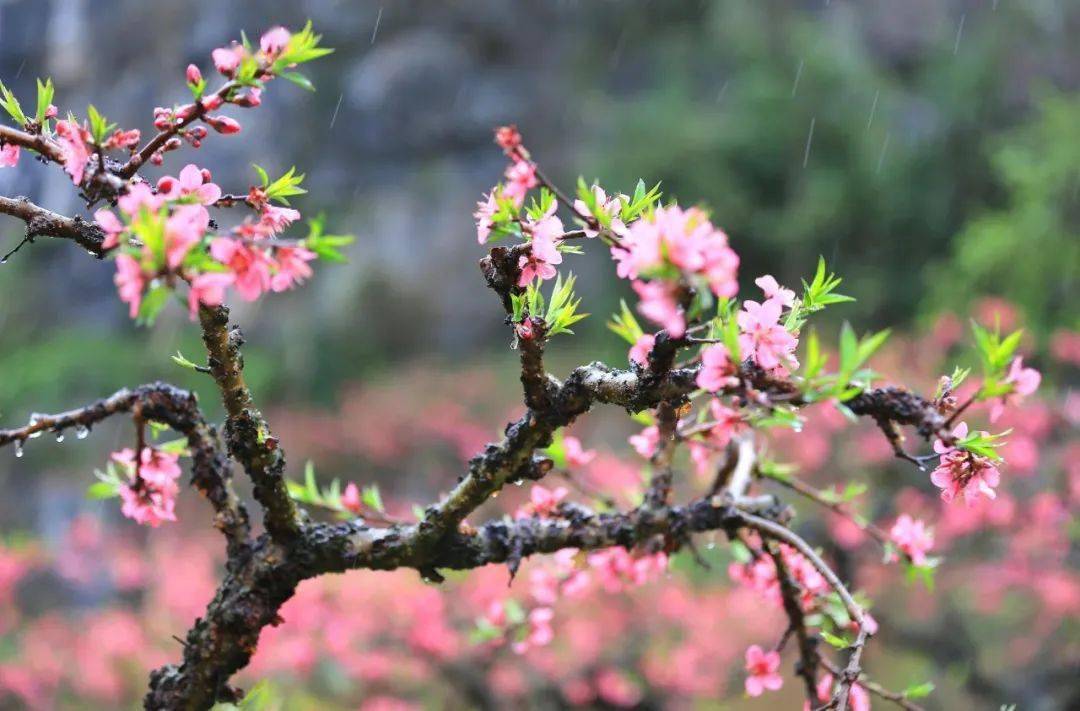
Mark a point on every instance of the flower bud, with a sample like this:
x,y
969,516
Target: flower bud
x,y
223,124
212,102
194,76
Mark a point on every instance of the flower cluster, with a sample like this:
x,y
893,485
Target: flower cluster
x,y
963,472
763,337
161,234
149,495
912,537
666,254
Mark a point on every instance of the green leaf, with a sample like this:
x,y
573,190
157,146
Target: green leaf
x,y
102,490
45,94
259,698
99,125
11,104
152,304
371,497
919,691
183,362
178,447
299,79
838,642
625,325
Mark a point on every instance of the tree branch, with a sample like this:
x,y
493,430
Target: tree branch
x,y
247,433
178,409
41,222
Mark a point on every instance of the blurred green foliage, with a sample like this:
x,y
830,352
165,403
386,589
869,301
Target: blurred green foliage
x,y
807,138
1027,249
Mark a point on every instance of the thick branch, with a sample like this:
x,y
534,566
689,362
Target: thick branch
x,y
32,141
46,223
178,409
246,431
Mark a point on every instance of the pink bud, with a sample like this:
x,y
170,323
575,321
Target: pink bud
x,y
194,76
249,100
223,124
207,176
157,158
227,59
214,101
166,184
185,112
197,132
51,111
172,144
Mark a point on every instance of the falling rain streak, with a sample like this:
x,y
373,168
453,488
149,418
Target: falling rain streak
x,y
378,19
809,140
881,156
873,108
798,75
723,90
336,108
959,34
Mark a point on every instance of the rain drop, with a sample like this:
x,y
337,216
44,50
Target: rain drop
x,y
59,436
82,431
18,449
519,482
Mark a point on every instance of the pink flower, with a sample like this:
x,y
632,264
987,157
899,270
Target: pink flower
x,y
617,689
520,178
292,267
73,148
681,238
717,371
193,181
576,455
193,75
123,139
615,568
147,505
111,225
543,502
485,211
227,59
138,196
912,537
773,290
250,266
543,251
130,282
1024,382
858,697
207,289
350,498
274,41
609,208
183,230
658,303
761,671
646,441
508,138
540,633
962,472
276,218
9,155
763,338
639,352
729,422
150,497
